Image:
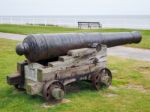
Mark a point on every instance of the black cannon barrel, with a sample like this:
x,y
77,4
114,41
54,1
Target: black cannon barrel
x,y
46,46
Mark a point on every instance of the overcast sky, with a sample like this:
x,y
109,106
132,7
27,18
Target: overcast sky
x,y
74,7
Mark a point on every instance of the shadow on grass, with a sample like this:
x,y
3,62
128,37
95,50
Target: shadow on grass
x,y
10,94
80,86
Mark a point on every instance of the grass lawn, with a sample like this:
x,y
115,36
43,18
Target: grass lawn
x,y
28,29
130,91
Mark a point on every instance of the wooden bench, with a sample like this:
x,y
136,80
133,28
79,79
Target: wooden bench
x,y
89,25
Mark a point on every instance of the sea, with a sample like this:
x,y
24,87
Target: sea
x,y
107,21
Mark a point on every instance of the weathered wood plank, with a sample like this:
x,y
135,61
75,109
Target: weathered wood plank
x,y
51,74
65,58
33,88
82,52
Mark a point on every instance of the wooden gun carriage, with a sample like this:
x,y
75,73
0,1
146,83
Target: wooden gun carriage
x,y
49,69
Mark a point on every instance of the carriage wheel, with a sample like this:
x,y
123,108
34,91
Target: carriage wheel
x,y
53,90
103,78
106,77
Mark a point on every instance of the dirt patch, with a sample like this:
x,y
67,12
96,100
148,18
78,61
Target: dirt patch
x,y
136,87
113,88
143,69
54,103
114,71
111,95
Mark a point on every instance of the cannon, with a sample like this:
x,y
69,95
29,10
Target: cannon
x,y
42,47
56,60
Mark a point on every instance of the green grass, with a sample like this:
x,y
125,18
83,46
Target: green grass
x,y
126,73
28,29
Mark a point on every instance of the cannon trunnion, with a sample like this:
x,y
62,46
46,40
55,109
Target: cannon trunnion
x,y
56,60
